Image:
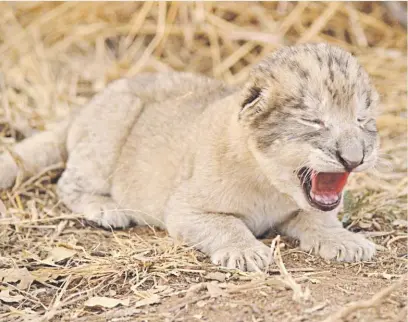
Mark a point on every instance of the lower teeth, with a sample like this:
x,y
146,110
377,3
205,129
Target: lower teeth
x,y
327,200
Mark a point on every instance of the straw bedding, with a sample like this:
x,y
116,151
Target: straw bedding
x,y
55,56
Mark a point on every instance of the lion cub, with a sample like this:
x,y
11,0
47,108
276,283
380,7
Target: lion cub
x,y
217,165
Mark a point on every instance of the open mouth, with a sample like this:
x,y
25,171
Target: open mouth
x,y
323,190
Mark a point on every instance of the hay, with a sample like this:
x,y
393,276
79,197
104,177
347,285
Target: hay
x,y
55,56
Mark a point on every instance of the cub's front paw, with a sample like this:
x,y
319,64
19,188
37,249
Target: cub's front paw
x,y
339,244
252,258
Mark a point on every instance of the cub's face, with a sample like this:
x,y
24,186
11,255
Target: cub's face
x,y
309,113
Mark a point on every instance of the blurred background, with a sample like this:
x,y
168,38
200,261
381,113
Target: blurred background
x,y
57,54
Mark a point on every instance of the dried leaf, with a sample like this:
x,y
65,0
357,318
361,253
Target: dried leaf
x,y
148,301
216,276
17,274
105,302
400,223
58,254
201,303
365,225
6,297
215,290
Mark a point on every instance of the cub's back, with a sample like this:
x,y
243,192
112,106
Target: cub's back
x,y
151,157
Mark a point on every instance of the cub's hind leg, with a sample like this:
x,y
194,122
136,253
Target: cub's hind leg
x,y
94,144
84,190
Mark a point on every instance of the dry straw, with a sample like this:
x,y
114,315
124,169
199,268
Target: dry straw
x,y
55,56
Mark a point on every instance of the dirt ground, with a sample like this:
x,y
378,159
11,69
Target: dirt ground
x,y
159,281
54,266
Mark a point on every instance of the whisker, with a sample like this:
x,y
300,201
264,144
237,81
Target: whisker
x,y
300,167
383,166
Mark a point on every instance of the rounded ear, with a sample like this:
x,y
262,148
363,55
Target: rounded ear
x,y
252,96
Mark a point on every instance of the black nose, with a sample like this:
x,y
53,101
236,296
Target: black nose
x,y
349,165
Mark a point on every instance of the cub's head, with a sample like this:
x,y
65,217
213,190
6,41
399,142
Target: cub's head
x,y
309,114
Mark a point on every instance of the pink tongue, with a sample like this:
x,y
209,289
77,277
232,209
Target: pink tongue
x,y
329,182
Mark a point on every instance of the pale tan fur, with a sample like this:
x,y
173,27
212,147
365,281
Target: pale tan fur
x,y
197,157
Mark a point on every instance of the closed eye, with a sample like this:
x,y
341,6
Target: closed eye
x,y
312,122
369,125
